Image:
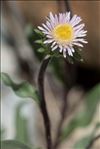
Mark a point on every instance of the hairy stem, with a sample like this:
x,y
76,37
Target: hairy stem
x,y
43,102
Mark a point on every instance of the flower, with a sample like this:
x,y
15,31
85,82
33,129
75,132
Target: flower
x,y
63,32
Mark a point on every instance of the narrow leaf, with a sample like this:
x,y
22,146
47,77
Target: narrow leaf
x,y
41,50
85,117
13,144
83,142
23,89
39,42
21,124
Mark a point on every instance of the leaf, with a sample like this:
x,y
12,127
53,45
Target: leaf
x,y
38,32
23,89
41,50
85,117
39,42
13,144
2,132
21,124
83,143
77,54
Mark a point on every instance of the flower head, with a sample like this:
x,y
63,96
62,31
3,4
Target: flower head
x,y
63,32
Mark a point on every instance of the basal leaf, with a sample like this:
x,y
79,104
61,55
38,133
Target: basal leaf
x,y
21,124
13,144
23,89
84,118
83,142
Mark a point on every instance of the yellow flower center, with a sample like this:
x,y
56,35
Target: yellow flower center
x,y
63,33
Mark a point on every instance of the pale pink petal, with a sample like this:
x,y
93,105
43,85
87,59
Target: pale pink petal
x,y
61,48
79,27
72,49
67,16
78,44
41,28
78,19
55,47
52,17
69,51
64,53
48,41
45,27
80,40
73,19
49,25
53,44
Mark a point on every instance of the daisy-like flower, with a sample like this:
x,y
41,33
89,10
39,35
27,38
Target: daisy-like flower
x,y
63,32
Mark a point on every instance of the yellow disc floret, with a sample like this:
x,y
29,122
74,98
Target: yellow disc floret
x,y
63,33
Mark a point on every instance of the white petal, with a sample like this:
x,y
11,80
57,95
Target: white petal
x,y
48,41
64,53
63,18
78,32
68,16
82,32
45,27
55,47
79,27
84,41
60,17
72,49
81,35
48,18
41,28
78,44
73,19
80,40
48,36
78,19
61,49
56,19
49,25
46,32
52,17
69,51
53,44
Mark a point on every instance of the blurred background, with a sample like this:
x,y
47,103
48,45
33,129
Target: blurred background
x,y
20,58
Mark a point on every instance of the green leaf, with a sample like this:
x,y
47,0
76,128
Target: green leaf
x,y
21,124
77,54
23,89
13,144
2,132
38,32
81,144
39,42
41,50
84,118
